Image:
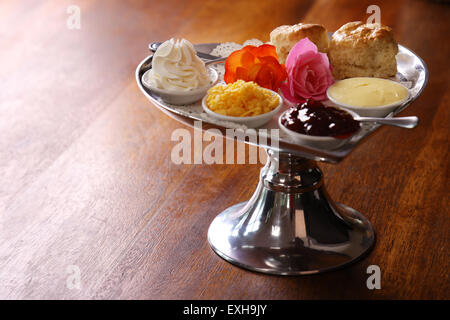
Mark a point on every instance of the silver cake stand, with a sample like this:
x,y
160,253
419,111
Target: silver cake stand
x,y
291,226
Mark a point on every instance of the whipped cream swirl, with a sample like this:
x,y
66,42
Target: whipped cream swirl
x,y
176,67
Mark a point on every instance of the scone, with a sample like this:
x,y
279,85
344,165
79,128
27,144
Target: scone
x,y
285,37
363,50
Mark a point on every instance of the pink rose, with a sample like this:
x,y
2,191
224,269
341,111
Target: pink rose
x,y
309,73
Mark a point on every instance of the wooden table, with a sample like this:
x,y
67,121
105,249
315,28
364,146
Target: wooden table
x,y
88,184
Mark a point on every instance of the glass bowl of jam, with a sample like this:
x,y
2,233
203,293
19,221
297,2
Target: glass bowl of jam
x,y
319,126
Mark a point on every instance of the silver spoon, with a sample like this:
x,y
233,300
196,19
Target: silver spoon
x,y
215,61
402,122
154,46
212,59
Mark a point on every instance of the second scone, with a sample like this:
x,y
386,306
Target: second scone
x,y
285,37
363,50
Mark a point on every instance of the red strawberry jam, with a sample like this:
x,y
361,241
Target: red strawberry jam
x,y
315,119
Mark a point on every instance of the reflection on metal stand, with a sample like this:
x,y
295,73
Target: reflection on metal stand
x,y
290,226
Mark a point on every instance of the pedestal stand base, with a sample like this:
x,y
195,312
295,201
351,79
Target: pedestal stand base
x,y
290,226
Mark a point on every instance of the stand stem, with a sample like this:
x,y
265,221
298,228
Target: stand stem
x,y
290,226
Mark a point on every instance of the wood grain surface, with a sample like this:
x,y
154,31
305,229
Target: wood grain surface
x,y
87,179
